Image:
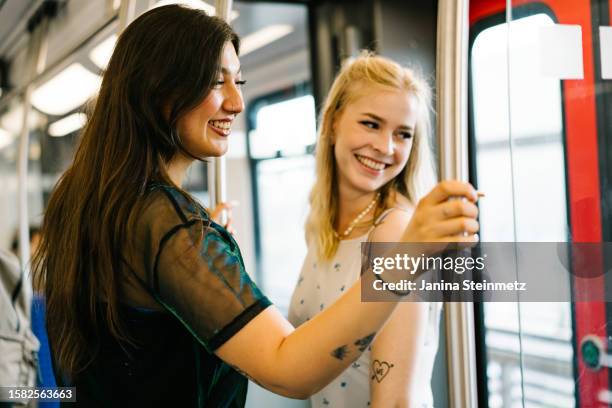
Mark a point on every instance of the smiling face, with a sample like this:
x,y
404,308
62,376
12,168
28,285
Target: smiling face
x,y
373,138
205,129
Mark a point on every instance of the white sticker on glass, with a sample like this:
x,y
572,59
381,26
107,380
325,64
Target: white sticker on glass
x,y
605,41
561,51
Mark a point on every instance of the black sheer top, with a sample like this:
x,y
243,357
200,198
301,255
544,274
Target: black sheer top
x,y
192,270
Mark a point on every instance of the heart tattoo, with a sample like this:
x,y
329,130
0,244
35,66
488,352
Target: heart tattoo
x,y
380,370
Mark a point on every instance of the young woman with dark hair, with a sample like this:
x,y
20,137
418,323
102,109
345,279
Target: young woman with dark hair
x,y
148,301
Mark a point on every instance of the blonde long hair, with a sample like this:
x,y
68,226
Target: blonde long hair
x,y
415,179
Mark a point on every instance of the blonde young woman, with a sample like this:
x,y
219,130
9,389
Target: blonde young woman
x,y
373,165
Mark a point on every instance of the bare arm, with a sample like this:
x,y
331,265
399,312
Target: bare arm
x,y
395,351
395,356
299,362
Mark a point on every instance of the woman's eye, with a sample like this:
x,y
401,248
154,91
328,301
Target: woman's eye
x,y
220,83
369,124
406,135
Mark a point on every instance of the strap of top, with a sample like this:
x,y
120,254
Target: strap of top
x,y
381,218
383,215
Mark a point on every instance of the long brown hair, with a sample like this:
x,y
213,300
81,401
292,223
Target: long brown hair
x,y
164,65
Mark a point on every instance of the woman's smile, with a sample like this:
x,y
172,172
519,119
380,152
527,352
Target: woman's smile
x,y
222,127
370,165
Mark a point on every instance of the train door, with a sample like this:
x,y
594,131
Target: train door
x,y
540,125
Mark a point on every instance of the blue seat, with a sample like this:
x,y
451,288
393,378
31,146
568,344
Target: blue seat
x,y
46,378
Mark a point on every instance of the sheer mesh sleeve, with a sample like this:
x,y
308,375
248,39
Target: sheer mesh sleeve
x,y
199,276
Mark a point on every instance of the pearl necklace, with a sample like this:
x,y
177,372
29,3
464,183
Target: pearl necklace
x,y
353,223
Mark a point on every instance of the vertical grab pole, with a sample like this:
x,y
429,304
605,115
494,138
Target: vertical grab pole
x,y
127,13
216,167
36,57
452,135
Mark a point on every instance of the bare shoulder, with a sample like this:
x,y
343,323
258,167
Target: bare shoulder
x,y
395,221
403,203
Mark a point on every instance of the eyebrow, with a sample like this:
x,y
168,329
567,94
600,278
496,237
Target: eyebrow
x,y
378,118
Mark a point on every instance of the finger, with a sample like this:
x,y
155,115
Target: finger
x,y
450,188
456,226
456,208
219,208
467,239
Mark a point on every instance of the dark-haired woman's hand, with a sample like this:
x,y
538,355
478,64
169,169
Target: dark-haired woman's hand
x,y
217,215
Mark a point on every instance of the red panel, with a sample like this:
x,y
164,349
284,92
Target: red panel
x,y
480,9
583,170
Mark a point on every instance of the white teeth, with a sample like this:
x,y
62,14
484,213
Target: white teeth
x,y
370,163
224,125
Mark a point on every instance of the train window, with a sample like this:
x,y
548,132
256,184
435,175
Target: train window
x,y
519,152
282,166
507,99
276,121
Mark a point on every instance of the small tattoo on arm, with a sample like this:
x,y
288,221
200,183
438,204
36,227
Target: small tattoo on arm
x,y
363,343
380,369
340,352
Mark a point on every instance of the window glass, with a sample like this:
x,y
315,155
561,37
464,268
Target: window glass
x,y
286,127
520,164
284,130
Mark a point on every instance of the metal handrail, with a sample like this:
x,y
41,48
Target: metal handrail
x,y
20,90
452,134
217,191
36,58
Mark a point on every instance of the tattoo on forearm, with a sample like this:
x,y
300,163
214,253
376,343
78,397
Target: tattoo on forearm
x,y
380,369
363,343
340,352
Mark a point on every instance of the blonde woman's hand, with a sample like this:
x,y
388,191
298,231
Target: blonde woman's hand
x,y
217,215
447,214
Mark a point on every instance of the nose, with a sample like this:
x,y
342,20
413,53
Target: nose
x,y
384,143
233,101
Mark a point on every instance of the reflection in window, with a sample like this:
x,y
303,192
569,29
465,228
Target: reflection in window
x,y
529,349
